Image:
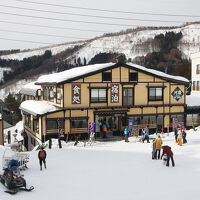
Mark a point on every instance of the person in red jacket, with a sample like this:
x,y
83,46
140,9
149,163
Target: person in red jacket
x,y
167,150
42,157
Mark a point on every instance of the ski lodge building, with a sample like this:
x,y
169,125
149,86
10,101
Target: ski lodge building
x,y
112,93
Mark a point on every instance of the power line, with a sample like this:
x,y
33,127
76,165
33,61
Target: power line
x,y
107,10
41,34
74,14
87,22
53,27
28,41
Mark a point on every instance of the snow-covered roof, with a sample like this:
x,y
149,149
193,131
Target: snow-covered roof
x,y
72,73
30,89
84,70
159,73
37,107
192,100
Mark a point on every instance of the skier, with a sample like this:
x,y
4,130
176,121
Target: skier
x,y
146,135
42,157
158,143
167,150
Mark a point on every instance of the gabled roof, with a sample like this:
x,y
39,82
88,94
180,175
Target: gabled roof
x,y
84,71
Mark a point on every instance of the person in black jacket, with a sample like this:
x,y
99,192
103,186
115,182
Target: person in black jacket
x,y
42,157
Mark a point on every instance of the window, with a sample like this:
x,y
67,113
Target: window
x,y
33,142
127,96
82,123
107,76
193,85
28,120
98,95
45,93
133,76
58,95
48,93
155,94
51,94
52,124
197,85
35,125
198,69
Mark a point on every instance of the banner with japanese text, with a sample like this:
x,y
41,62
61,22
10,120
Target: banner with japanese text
x,y
114,90
76,94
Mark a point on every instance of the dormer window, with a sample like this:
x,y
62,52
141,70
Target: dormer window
x,y
107,76
133,76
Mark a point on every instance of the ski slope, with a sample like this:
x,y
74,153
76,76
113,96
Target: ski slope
x,y
114,171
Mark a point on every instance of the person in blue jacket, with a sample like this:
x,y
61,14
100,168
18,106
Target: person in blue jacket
x,y
146,135
126,133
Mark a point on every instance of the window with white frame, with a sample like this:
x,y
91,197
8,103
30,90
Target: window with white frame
x,y
98,95
155,94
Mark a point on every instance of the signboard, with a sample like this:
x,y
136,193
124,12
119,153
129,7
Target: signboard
x,y
114,93
177,93
76,94
130,125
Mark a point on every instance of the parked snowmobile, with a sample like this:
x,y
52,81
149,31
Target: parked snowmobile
x,y
12,179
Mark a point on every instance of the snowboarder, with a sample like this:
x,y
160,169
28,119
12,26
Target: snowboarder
x,y
158,144
167,150
146,135
42,157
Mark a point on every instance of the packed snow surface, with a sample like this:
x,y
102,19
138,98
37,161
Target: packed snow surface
x,y
37,107
113,171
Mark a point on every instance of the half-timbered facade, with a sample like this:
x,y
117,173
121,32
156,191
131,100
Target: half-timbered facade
x,y
103,93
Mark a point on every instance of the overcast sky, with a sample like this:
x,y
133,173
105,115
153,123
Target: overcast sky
x,y
18,17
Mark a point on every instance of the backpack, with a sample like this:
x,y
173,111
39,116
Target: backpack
x,y
42,154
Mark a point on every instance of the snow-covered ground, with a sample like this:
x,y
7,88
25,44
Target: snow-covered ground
x,y
114,171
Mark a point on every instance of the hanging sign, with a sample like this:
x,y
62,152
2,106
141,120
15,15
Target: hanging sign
x,y
76,93
177,93
114,93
